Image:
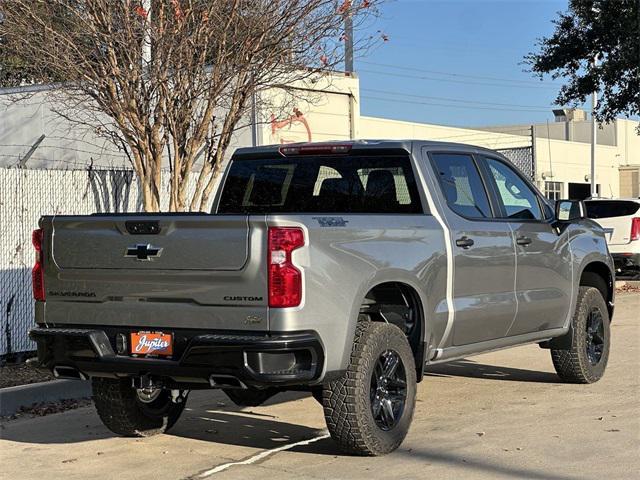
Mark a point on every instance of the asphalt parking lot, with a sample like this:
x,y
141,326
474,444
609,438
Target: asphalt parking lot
x,y
498,415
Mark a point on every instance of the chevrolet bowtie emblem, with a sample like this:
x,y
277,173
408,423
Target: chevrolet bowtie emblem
x,y
143,252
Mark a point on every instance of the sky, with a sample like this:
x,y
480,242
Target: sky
x,y
458,62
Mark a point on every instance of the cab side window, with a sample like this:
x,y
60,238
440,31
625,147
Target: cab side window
x,y
461,185
519,200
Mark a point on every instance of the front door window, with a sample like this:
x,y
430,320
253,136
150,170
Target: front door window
x,y
519,200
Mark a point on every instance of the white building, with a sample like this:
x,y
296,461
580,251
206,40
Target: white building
x,y
563,154
560,148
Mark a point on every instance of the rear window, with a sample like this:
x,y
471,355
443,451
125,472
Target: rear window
x,y
611,208
321,185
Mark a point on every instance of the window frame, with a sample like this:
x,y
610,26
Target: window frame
x,y
434,169
559,191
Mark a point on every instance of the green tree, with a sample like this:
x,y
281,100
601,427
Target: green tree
x,y
608,29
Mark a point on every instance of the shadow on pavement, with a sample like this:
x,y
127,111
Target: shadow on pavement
x,y
231,425
215,419
471,369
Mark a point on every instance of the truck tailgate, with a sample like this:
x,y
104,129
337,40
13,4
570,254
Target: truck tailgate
x,y
161,270
199,242
616,229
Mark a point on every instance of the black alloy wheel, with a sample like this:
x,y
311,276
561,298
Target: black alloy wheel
x,y
595,336
388,390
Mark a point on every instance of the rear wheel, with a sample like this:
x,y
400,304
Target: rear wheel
x,y
135,412
585,359
370,408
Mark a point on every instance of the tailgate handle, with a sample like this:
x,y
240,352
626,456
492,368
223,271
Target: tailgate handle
x,y
141,227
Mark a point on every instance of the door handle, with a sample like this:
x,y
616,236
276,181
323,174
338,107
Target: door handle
x,y
524,241
464,242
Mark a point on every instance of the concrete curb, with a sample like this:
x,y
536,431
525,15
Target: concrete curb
x,y
13,398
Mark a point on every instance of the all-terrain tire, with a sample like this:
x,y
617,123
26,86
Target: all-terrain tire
x,y
249,397
573,364
122,412
347,401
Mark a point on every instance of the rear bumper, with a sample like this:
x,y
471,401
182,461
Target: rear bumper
x,y
201,359
626,262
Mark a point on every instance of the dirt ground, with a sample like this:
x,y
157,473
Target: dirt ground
x,y
21,374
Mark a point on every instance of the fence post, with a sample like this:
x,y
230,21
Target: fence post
x,y
34,147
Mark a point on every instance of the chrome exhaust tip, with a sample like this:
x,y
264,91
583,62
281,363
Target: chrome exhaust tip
x,y
226,381
68,373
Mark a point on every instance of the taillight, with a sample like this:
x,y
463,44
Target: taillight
x,y
635,228
285,280
37,274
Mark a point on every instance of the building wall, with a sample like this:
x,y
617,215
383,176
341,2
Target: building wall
x,y
317,109
25,119
573,131
630,181
570,162
66,144
628,142
559,160
381,128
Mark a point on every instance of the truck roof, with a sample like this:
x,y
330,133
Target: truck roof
x,y
360,144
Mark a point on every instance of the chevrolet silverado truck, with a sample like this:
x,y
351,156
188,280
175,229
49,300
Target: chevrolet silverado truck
x,y
343,269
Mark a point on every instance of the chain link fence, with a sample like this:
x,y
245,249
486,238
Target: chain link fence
x,y
521,157
25,196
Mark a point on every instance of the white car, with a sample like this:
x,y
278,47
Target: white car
x,y
621,222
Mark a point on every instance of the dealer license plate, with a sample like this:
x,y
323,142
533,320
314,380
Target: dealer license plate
x,y
151,343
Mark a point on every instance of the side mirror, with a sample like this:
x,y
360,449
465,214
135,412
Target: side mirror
x,y
570,210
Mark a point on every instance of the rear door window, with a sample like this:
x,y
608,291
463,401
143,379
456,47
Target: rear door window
x,y
341,184
461,185
611,208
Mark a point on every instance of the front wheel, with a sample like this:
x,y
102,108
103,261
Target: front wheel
x,y
134,412
585,358
369,409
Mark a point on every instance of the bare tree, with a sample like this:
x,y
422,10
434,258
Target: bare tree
x,y
173,78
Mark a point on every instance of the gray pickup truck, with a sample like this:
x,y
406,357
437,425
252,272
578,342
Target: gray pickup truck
x,y
343,269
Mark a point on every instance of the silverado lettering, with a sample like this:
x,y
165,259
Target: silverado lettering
x,y
71,294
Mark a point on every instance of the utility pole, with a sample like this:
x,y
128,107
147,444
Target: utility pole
x,y
348,42
34,147
594,135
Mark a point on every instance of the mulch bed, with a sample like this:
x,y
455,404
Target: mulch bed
x,y
21,374
628,288
42,409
